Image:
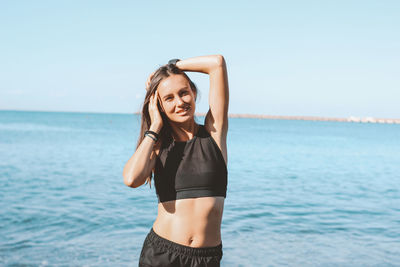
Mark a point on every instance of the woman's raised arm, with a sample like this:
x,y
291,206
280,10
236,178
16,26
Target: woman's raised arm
x,y
215,67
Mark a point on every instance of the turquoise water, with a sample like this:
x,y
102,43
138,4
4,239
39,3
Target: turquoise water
x,y
300,193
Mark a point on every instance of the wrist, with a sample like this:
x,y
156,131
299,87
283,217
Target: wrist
x,y
151,136
155,128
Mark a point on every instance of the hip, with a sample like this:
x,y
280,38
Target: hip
x,y
159,251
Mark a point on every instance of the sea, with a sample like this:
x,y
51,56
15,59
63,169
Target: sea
x,y
300,193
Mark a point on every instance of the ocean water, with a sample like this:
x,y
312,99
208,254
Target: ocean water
x,y
300,193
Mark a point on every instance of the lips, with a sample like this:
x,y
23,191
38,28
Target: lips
x,y
183,111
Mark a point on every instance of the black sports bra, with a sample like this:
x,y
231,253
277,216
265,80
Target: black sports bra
x,y
191,169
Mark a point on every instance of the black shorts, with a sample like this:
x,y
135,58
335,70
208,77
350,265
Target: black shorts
x,y
158,251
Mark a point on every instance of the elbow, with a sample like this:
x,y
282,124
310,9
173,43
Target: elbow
x,y
218,63
220,60
131,181
128,182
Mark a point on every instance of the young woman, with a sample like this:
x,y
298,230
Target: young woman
x,y
189,162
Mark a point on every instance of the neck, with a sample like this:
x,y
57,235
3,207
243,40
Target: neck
x,y
184,131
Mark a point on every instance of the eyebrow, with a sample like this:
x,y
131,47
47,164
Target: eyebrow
x,y
172,94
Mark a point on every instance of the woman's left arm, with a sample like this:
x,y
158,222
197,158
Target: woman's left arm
x,y
215,67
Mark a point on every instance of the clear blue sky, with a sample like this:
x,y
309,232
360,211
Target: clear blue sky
x,y
310,58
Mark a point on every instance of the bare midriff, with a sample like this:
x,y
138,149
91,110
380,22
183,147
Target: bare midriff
x,y
194,222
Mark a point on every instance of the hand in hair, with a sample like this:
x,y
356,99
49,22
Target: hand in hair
x,y
155,116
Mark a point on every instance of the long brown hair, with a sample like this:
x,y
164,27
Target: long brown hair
x,y
165,133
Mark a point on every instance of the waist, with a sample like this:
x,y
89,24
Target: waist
x,y
194,222
213,251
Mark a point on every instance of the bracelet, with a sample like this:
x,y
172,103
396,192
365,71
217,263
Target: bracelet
x,y
149,133
152,137
173,61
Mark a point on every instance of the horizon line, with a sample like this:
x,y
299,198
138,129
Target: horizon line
x,y
250,116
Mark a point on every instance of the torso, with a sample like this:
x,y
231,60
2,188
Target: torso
x,y
194,222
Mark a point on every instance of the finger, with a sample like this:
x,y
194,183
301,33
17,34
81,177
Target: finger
x,y
151,100
158,101
158,96
154,99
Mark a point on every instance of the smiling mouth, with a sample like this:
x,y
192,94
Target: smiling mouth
x,y
183,111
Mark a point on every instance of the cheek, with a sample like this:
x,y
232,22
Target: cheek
x,y
188,98
168,106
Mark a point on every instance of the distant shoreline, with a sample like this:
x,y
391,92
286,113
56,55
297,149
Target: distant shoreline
x,y
313,118
259,116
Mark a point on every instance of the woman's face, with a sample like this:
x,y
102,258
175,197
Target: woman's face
x,y
176,97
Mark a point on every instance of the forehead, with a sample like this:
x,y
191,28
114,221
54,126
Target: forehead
x,y
171,84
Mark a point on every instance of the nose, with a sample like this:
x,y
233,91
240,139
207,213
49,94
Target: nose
x,y
179,101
